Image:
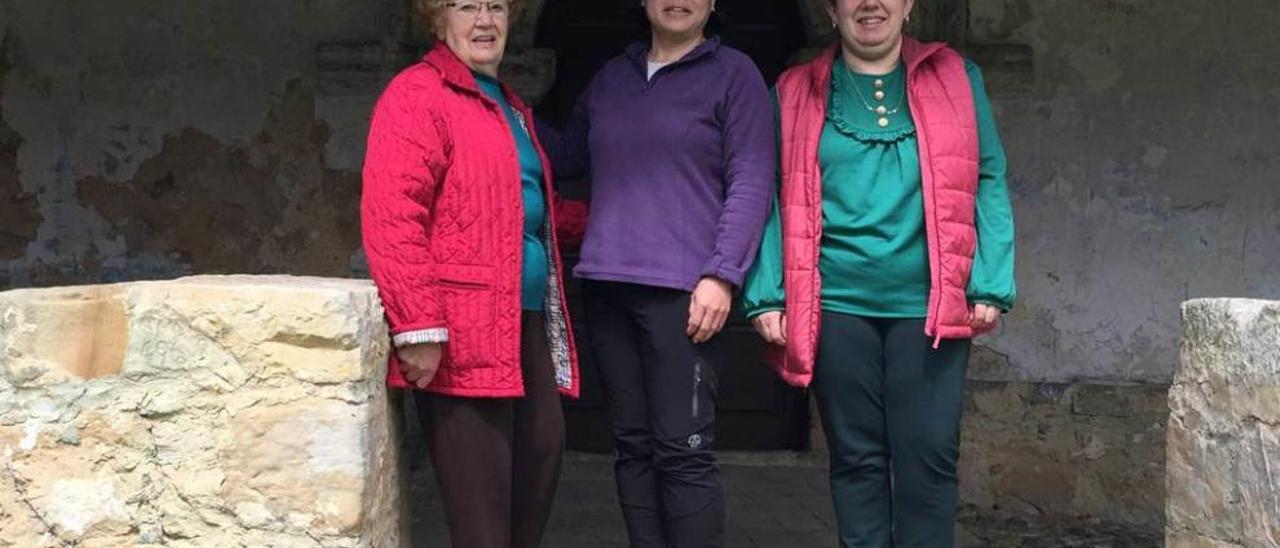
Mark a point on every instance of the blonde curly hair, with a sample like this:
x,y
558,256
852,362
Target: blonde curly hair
x,y
432,12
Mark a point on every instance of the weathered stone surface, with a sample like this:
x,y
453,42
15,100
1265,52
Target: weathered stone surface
x,y
531,72
1224,428
1058,453
57,333
206,411
19,216
1054,454
286,212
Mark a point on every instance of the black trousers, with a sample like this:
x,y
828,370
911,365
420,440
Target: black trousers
x,y
891,407
497,460
661,391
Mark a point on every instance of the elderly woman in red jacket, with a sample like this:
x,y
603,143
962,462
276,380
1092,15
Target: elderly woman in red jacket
x,y
461,244
892,247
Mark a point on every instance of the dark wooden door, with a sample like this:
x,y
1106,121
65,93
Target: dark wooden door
x,y
755,411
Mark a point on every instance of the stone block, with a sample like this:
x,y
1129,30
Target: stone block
x,y
530,72
1118,400
1223,445
1060,452
206,411
1056,452
53,336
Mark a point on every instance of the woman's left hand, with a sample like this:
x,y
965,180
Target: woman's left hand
x,y
708,309
983,318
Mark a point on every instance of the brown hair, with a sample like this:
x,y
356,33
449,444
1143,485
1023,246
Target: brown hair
x,y
432,12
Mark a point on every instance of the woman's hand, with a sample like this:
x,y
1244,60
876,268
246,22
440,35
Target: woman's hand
x,y
772,326
708,309
419,362
983,317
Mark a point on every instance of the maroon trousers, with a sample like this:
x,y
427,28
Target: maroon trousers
x,y
497,460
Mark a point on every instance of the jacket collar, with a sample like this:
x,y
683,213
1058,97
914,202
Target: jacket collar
x,y
457,74
638,52
914,54
451,68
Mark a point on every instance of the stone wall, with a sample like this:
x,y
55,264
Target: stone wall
x,y
1057,454
207,411
1224,432
1142,174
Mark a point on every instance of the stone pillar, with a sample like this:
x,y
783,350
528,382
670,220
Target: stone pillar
x,y
529,70
1223,477
206,411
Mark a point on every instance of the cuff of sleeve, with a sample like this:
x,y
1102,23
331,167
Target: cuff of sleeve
x,y
991,302
752,314
717,270
421,336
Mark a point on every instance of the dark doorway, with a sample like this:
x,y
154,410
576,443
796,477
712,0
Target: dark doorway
x,y
756,411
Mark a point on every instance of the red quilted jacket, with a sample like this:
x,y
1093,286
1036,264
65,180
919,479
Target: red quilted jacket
x,y
442,218
941,100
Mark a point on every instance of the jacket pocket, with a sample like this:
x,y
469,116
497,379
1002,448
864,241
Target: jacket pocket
x,y
468,294
463,276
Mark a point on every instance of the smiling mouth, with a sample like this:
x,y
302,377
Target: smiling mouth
x,y
872,20
484,40
677,10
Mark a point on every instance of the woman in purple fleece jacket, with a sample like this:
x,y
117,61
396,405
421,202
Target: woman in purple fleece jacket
x,y
678,136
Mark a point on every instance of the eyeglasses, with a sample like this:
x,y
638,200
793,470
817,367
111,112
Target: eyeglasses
x,y
498,9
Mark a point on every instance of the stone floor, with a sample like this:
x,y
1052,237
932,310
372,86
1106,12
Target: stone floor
x,y
784,505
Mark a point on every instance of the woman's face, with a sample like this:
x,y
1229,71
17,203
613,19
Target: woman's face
x,y
679,17
871,28
477,32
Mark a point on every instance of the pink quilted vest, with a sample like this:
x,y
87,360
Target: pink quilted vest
x,y
941,101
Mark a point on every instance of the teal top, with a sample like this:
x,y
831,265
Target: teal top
x,y
534,273
873,257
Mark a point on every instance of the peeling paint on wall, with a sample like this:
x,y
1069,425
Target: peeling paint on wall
x,y
176,139
19,216
266,207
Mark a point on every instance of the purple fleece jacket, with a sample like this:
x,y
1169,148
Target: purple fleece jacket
x,y
682,167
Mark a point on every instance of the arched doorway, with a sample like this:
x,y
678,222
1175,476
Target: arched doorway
x,y
756,411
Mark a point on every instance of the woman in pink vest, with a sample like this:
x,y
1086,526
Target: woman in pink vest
x,y
460,235
890,247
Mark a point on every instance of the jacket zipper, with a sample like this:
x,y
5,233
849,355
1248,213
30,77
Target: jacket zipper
x,y
697,382
935,304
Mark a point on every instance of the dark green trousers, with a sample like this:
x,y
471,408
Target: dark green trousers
x,y
890,406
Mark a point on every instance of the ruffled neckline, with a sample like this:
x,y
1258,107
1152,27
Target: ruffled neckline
x,y
844,110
